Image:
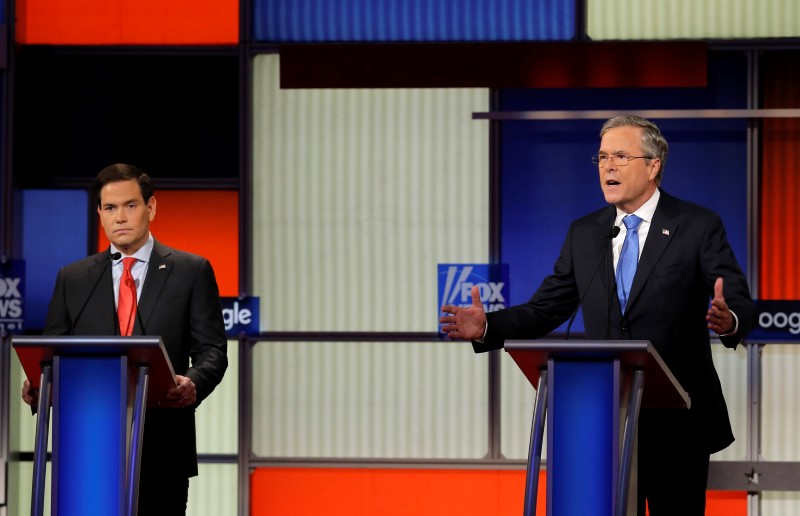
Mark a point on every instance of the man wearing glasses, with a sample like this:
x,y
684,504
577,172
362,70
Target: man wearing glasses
x,y
673,277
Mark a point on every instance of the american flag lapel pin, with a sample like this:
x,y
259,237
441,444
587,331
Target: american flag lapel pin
x,y
665,232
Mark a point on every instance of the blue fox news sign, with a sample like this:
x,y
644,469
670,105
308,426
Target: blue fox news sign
x,y
457,279
12,294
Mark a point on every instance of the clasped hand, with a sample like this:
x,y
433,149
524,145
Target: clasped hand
x,y
183,395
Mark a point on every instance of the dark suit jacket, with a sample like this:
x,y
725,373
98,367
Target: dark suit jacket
x,y
685,252
180,303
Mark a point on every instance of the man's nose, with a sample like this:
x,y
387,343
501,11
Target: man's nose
x,y
610,164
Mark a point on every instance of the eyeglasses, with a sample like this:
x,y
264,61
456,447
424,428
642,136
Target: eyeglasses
x,y
619,158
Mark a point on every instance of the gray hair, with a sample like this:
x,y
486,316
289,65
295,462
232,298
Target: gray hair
x,y
653,142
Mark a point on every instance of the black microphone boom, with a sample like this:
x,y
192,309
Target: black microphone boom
x,y
114,256
611,235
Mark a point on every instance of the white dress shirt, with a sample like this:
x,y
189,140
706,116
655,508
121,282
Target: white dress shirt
x,y
138,271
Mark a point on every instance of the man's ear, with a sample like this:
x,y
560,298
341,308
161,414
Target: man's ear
x,y
151,207
655,167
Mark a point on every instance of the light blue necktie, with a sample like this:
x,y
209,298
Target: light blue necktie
x,y
628,259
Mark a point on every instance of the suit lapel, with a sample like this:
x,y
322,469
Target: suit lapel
x,y
662,230
158,270
105,287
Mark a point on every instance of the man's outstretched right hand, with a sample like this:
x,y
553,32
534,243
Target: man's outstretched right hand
x,y
465,323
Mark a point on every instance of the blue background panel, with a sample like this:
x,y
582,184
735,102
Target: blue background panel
x,y
414,20
548,180
55,231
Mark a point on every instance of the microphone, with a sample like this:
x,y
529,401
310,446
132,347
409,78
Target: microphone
x,y
611,235
113,256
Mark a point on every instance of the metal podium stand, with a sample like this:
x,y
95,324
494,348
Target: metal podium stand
x,y
582,383
100,388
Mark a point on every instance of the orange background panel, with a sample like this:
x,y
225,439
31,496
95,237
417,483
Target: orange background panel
x,y
204,222
780,182
421,492
388,492
128,22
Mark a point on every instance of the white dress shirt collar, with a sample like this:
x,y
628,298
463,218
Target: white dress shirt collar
x,y
645,211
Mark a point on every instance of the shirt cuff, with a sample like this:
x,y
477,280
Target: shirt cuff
x,y
735,325
485,330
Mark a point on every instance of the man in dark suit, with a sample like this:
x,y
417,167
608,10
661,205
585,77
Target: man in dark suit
x,y
684,260
178,299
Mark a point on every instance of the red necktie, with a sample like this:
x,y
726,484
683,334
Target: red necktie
x,y
126,306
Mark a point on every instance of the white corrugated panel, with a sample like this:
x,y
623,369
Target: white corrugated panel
x,y
410,400
780,503
732,369
780,425
691,19
213,491
216,417
358,194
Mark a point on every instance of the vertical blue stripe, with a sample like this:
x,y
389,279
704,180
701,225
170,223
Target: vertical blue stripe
x,y
413,20
296,13
55,232
402,21
419,16
318,21
90,436
380,20
580,458
504,20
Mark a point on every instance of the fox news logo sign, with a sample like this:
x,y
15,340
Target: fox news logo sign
x,y
12,292
457,279
777,320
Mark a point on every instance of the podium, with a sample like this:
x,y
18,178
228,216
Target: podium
x,y
582,382
99,388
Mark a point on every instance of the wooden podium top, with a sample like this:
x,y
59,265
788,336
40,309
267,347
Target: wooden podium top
x,y
661,388
33,351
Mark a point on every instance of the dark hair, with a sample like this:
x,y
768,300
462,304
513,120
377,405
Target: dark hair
x,y
653,142
123,172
